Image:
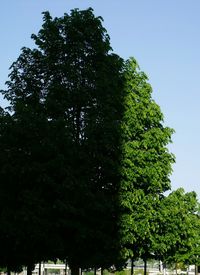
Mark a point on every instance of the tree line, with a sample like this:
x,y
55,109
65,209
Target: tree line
x,y
84,163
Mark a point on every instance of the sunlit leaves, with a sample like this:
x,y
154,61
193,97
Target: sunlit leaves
x,y
145,163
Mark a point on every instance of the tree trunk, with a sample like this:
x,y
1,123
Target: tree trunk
x,y
145,266
101,271
164,268
75,270
39,271
29,270
65,272
8,271
95,271
132,266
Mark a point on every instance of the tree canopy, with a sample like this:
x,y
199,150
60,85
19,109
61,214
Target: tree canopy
x,y
84,160
145,163
179,227
60,142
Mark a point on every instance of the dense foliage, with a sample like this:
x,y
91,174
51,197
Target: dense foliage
x,y
60,145
145,164
84,162
179,226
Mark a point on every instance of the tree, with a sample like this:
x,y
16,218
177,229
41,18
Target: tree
x,y
179,225
61,159
24,171
84,150
145,164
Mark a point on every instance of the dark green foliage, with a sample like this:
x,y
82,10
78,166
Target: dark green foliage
x,y
60,147
84,160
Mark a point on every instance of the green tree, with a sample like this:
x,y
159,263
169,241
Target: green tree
x,y
84,151
179,227
145,164
25,179
62,158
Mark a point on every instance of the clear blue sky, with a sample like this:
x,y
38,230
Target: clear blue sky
x,y
164,37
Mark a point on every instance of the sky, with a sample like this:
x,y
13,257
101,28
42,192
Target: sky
x,y
163,36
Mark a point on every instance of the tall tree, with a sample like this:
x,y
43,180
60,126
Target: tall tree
x,y
62,157
84,146
145,164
